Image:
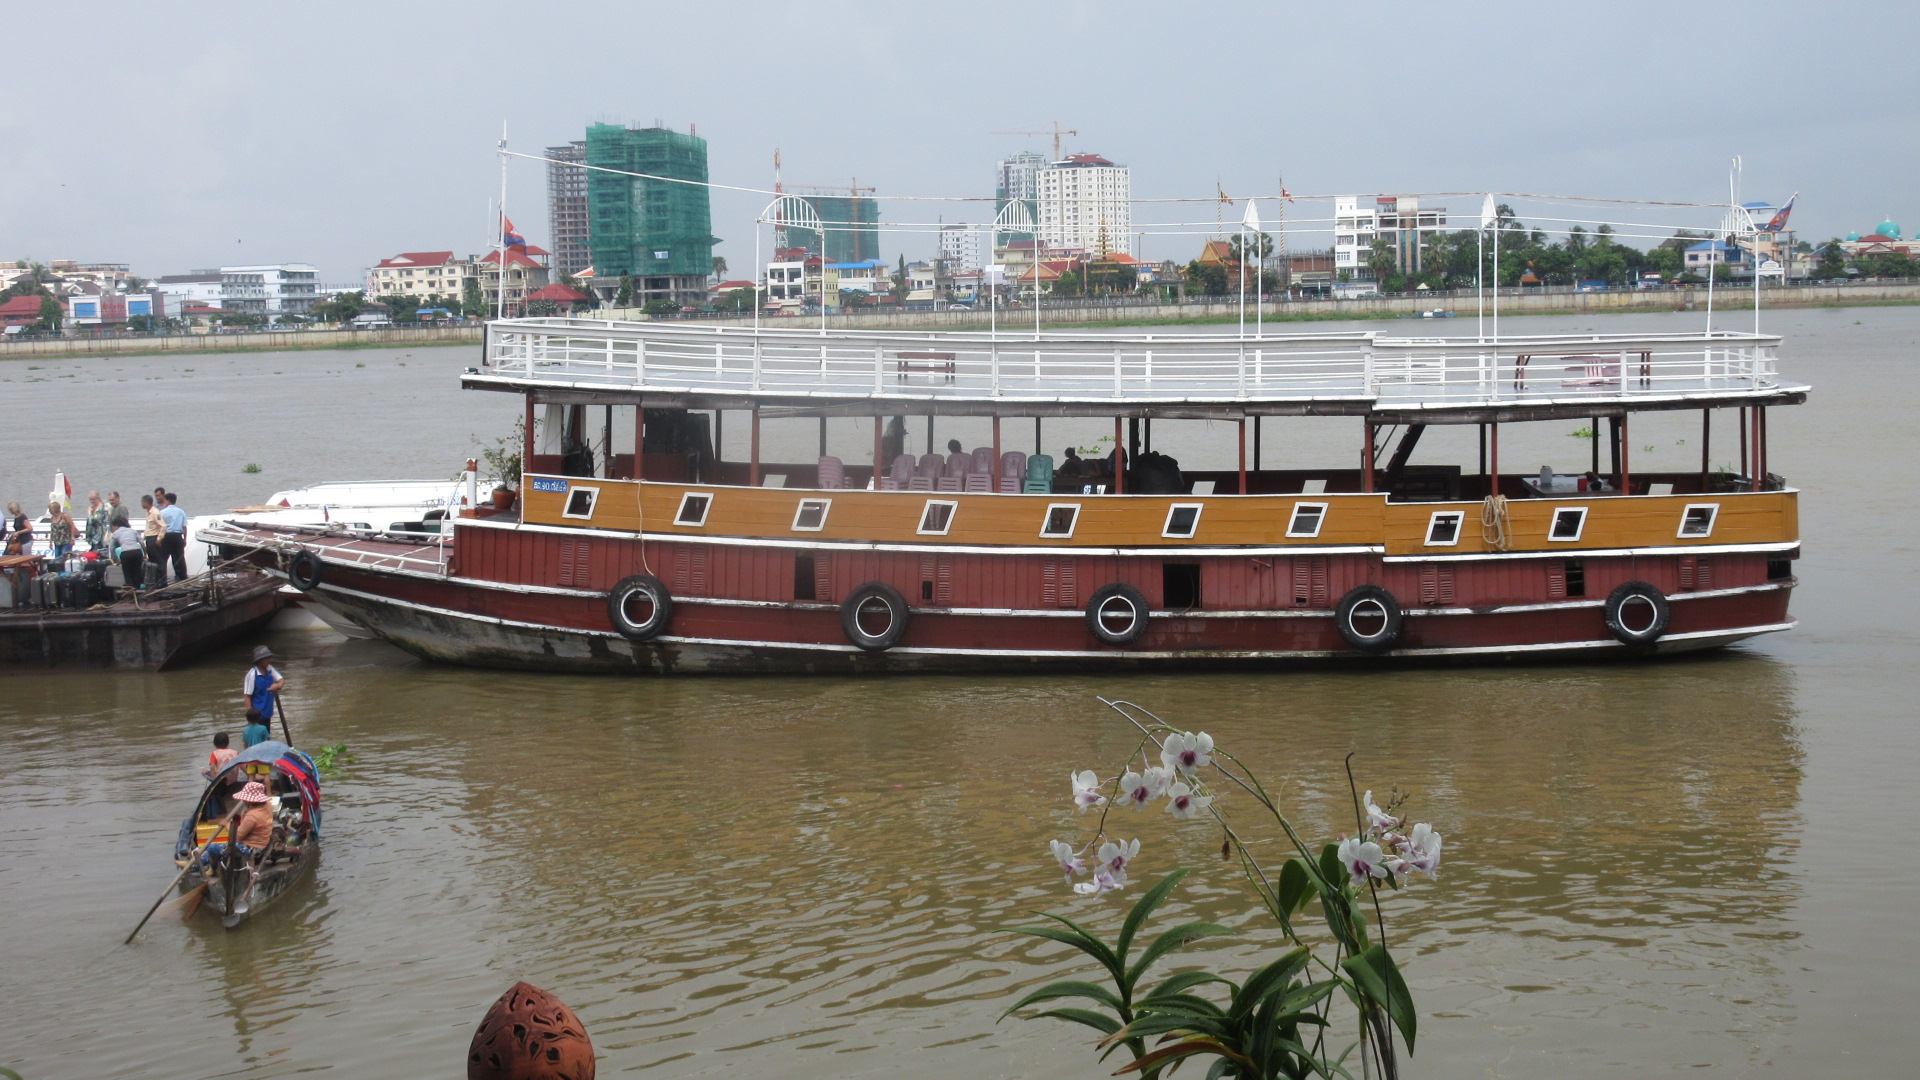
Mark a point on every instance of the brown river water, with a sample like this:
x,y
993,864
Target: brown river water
x,y
1651,869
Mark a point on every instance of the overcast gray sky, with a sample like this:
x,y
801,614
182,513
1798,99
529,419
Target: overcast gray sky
x,y
189,135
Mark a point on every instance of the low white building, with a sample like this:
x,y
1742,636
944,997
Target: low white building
x,y
195,287
1399,219
270,289
420,274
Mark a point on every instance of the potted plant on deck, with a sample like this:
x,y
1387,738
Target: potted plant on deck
x,y
502,461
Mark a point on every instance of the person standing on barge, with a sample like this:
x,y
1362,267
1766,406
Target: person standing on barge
x,y
150,536
97,517
60,530
19,530
124,544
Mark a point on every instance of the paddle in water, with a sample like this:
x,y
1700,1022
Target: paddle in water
x,y
192,859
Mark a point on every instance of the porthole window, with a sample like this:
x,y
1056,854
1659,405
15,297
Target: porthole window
x,y
1183,520
1307,519
580,503
1443,529
693,509
812,515
1697,520
937,518
1060,520
1568,523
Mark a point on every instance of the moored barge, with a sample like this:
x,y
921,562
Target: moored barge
x,y
637,547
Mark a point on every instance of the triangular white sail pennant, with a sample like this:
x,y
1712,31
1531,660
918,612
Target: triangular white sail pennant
x,y
1488,212
1251,219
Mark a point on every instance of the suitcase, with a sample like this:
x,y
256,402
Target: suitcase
x,y
49,585
115,577
150,571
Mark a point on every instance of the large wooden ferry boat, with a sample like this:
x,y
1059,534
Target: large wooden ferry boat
x,y
670,557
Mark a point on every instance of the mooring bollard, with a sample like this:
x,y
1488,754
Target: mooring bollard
x,y
530,1035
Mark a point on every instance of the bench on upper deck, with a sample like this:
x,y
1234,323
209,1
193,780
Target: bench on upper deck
x,y
938,363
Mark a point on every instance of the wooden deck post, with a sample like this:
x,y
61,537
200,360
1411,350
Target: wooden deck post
x,y
1706,445
639,440
1242,424
879,450
1036,436
1493,468
753,448
1758,479
1366,459
1119,460
1256,444
1483,458
996,456
1626,465
527,439
1593,425
1744,470
823,436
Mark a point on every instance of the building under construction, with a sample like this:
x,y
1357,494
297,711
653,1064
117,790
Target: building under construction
x,y
567,207
852,224
655,230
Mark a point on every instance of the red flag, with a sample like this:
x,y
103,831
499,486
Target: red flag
x,y
1287,195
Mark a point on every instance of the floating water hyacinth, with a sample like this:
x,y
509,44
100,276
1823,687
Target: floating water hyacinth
x,y
1275,1023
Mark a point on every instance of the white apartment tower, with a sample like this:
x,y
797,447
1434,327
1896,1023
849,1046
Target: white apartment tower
x,y
1086,204
960,246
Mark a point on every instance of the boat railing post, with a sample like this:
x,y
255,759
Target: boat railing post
x,y
756,361
1366,366
640,362
993,375
1240,365
879,366
1119,371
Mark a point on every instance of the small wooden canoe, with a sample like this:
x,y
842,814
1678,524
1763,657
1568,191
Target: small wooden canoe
x,y
240,884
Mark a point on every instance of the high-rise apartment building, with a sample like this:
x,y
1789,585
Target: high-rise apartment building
x,y
567,207
1086,204
658,231
852,224
1018,179
960,246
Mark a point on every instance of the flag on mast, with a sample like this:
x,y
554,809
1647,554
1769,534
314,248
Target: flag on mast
x,y
1251,219
1489,213
509,235
1779,220
1287,195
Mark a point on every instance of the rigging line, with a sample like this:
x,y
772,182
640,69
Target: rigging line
x,y
991,198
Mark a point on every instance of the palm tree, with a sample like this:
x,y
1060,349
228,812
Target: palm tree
x,y
1381,259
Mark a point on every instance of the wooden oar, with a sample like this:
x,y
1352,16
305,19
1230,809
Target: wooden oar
x,y
191,860
281,708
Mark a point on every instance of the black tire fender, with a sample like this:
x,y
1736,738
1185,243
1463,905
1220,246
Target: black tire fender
x,y
639,607
1117,614
875,616
1637,613
1369,618
304,570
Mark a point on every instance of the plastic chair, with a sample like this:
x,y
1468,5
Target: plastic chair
x,y
1013,463
931,466
979,481
1039,487
833,472
920,483
982,460
902,470
959,464
1040,467
948,483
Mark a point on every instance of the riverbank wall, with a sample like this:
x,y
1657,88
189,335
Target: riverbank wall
x,y
1513,302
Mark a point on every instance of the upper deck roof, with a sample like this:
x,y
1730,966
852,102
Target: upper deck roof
x,y
854,372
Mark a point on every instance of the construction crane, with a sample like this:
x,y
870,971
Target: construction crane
x,y
853,188
1056,131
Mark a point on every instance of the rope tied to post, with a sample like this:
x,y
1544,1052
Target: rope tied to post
x,y
1496,527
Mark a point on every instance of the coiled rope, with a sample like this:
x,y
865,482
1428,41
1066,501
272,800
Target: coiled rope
x,y
1496,527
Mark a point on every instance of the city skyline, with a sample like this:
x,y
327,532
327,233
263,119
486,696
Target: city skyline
x,y
230,177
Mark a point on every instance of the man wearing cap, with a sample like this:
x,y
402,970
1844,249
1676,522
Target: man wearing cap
x,y
260,683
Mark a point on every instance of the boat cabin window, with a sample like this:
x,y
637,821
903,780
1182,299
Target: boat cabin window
x,y
1307,518
812,515
803,579
1183,520
1698,519
1180,585
1443,529
693,509
1061,518
1568,523
580,502
937,518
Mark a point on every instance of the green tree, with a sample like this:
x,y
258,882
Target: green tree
x,y
1380,258
657,308
1833,261
900,289
719,267
737,300
403,309
1206,279
51,315
471,302
1667,261
624,298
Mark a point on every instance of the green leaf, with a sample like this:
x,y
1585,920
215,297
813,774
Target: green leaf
x,y
1185,1004
1186,980
1068,988
1297,885
1169,941
1266,982
1184,1050
1141,909
1101,1022
1075,936
1378,978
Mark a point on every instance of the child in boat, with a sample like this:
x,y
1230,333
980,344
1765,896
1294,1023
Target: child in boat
x,y
256,730
222,753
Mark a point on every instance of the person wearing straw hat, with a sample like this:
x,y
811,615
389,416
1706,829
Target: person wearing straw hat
x,y
259,685
255,828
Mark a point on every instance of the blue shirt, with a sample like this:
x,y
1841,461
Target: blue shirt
x,y
255,733
175,519
256,688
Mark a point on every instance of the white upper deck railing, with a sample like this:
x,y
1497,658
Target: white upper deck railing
x,y
1078,367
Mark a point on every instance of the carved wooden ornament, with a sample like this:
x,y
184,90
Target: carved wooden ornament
x,y
530,1035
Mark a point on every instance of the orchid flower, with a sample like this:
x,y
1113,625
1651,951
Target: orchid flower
x,y
1183,803
1086,790
1114,857
1070,861
1363,859
1421,850
1102,882
1187,752
1139,789
1376,817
